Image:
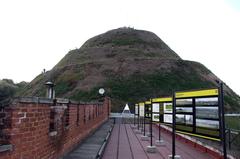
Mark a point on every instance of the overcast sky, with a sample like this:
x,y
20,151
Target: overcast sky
x,y
36,34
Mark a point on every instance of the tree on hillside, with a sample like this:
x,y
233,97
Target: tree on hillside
x,y
8,89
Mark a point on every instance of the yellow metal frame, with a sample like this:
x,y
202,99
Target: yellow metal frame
x,y
148,102
202,136
200,93
165,99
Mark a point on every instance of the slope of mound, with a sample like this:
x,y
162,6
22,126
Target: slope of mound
x,y
132,65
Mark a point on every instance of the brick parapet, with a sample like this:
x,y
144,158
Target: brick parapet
x,y
30,119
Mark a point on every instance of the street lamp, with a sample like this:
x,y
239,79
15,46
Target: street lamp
x,y
50,90
101,91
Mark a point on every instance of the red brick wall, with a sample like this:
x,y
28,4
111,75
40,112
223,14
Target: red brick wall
x,y
4,125
29,131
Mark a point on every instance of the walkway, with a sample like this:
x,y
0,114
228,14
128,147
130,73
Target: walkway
x,y
91,146
124,143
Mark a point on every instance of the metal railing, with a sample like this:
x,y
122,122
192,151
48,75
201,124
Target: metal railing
x,y
124,118
233,137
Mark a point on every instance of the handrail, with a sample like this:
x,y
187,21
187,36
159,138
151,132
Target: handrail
x,y
102,148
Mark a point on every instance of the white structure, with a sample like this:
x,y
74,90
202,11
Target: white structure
x,y
50,90
126,111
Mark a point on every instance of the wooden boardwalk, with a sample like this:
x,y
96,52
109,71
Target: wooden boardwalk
x,y
124,143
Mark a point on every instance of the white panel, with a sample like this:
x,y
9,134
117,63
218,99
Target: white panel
x,y
136,109
155,117
167,107
141,111
155,107
167,118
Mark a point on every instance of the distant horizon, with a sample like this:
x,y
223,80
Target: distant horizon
x,y
36,35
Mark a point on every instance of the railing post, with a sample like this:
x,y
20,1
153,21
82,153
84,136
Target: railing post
x,y
173,126
229,138
222,120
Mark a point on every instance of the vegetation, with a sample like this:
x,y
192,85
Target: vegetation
x,y
62,87
132,65
8,89
139,87
233,102
127,41
232,122
86,95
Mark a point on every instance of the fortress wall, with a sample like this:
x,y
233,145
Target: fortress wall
x,y
43,128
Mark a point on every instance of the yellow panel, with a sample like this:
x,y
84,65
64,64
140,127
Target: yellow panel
x,y
200,93
206,137
165,99
141,104
148,102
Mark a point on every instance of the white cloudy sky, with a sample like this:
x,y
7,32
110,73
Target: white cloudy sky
x,y
36,34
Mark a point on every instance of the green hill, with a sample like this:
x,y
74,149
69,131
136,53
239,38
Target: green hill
x,y
8,89
132,65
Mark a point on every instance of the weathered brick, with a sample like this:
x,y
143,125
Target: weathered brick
x,y
29,130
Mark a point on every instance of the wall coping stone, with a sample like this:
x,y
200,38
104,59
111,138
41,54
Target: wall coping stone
x,y
74,102
4,148
45,100
62,100
25,100
32,100
42,100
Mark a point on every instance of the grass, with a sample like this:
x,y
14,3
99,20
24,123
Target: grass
x,y
232,122
126,41
233,102
207,132
132,89
142,87
86,96
123,39
184,128
139,87
62,87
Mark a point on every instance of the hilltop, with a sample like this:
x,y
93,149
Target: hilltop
x,y
132,65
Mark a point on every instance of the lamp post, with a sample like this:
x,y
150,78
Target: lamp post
x,y
50,90
101,91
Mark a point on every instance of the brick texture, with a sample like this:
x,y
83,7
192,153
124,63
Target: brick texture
x,y
29,130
